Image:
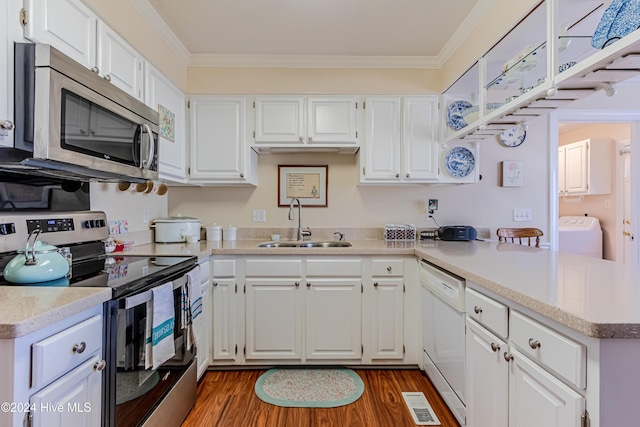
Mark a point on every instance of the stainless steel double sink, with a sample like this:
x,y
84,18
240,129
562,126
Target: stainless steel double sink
x,y
302,244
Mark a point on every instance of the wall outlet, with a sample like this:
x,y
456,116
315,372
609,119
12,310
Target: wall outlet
x,y
432,205
522,215
259,215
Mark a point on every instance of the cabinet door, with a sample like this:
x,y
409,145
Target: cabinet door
x,y
576,175
205,330
119,63
224,319
160,91
67,25
537,398
420,139
274,319
333,312
6,77
387,316
218,138
562,181
382,140
279,119
487,375
331,120
73,400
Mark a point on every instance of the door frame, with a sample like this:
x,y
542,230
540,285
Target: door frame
x,y
589,117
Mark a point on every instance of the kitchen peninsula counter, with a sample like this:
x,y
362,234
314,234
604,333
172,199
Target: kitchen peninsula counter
x,y
597,298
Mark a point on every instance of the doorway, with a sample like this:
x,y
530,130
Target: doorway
x,y
617,209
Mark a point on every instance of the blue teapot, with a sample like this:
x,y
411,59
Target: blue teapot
x,y
39,262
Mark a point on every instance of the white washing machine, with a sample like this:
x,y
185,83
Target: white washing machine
x,y
580,235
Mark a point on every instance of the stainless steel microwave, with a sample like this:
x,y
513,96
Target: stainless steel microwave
x,y
72,123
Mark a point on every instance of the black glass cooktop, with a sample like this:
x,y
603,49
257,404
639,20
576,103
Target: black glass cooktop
x,y
124,274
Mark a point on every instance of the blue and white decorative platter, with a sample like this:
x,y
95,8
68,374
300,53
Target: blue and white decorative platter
x,y
459,162
455,120
513,137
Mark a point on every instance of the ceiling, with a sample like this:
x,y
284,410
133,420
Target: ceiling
x,y
389,29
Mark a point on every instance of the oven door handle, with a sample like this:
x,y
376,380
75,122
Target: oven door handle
x,y
142,297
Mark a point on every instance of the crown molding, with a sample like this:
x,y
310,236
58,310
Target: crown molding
x,y
480,10
312,61
153,18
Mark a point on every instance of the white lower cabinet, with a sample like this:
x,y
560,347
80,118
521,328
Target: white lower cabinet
x,y
387,309
507,388
333,318
225,332
274,319
204,320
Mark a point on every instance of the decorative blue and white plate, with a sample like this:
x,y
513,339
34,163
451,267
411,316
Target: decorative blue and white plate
x,y
459,162
512,137
455,120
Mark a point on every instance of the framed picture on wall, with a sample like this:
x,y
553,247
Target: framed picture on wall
x,y
306,183
512,173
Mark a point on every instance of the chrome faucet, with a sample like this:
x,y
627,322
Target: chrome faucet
x,y
301,233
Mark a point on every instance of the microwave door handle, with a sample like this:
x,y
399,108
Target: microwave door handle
x,y
151,148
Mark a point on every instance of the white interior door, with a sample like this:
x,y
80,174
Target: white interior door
x,y
623,172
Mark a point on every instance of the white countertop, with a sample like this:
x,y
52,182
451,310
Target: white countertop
x,y
598,298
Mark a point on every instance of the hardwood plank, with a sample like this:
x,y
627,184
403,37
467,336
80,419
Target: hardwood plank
x,y
227,399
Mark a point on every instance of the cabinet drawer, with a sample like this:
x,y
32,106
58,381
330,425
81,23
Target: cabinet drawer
x,y
334,267
387,267
224,268
65,350
563,355
487,311
274,268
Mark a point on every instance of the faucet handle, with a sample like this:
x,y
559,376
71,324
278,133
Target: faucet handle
x,y
339,234
306,232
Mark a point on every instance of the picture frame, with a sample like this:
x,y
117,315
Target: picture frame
x,y
307,183
512,173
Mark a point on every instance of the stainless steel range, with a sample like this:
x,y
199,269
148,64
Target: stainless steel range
x,y
132,395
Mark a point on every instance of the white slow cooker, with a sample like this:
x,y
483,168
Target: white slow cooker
x,y
176,229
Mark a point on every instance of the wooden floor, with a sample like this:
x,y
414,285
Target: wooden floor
x,y
227,399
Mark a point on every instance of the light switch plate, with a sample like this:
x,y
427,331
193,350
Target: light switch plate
x,y
259,215
522,215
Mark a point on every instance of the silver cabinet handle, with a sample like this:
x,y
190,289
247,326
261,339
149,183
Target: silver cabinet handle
x,y
375,284
308,284
95,70
79,348
310,139
107,77
407,175
6,125
508,356
495,347
99,366
534,344
241,175
300,139
397,175
477,309
389,268
215,283
297,284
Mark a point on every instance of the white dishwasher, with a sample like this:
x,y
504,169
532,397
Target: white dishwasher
x,y
443,335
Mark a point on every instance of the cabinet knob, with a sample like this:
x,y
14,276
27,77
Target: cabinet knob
x,y
107,77
95,70
308,284
389,268
241,175
495,347
79,348
6,124
397,175
508,356
300,139
477,309
534,344
297,284
215,283
99,366
310,139
375,284
407,175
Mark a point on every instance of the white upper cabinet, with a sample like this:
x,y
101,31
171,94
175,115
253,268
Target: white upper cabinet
x,y
400,140
73,29
297,122
219,151
119,63
160,92
10,31
67,25
586,167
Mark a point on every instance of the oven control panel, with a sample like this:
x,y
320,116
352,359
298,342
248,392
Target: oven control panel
x,y
50,225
